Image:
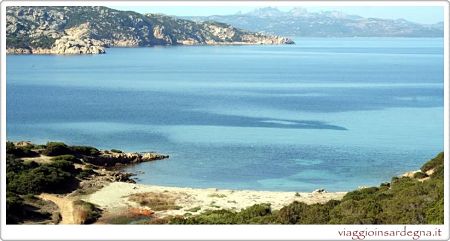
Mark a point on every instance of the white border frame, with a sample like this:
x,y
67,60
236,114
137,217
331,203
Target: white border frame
x,y
209,232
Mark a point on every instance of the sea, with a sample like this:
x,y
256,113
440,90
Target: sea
x,y
332,113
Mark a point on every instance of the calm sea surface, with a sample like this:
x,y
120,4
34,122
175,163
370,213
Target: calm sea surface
x,y
333,113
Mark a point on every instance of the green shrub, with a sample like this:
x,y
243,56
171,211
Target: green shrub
x,y
292,213
85,173
10,147
15,41
360,194
258,213
438,172
42,41
209,217
403,201
56,149
433,163
435,213
62,165
68,158
420,175
318,213
364,211
33,178
20,151
194,209
251,214
14,208
85,150
14,165
116,151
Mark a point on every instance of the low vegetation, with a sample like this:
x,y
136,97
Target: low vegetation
x,y
85,212
29,209
402,201
20,151
14,208
59,148
128,216
420,175
194,209
155,201
116,151
33,178
57,174
217,195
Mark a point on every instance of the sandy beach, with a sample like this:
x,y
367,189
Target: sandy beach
x,y
116,196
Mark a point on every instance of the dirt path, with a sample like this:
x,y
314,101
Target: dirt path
x,y
65,207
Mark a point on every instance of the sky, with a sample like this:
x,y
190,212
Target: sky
x,y
425,15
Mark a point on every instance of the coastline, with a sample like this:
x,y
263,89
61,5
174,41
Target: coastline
x,y
84,185
115,198
94,50
118,196
112,192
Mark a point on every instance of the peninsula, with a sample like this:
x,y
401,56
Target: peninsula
x,y
89,30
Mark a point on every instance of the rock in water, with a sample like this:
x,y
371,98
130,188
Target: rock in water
x,y
111,159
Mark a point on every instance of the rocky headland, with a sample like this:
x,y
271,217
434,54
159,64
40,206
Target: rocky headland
x,y
89,30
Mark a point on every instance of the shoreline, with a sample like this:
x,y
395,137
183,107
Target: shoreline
x,y
122,197
96,189
51,52
112,191
117,197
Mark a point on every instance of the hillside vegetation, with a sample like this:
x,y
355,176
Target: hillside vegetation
x,y
404,200
59,168
78,29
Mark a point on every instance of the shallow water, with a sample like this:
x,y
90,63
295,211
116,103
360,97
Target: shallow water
x,y
333,113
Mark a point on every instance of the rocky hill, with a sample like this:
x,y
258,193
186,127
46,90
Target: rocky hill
x,y
300,22
89,30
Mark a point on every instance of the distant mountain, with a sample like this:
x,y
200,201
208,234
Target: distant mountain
x,y
81,30
300,22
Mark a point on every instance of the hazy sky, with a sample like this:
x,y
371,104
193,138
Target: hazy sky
x,y
415,14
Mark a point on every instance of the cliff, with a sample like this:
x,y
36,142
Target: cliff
x,y
89,30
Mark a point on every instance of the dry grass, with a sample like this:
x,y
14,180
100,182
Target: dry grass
x,y
155,201
40,159
194,209
217,195
126,216
85,212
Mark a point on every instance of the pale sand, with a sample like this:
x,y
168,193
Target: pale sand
x,y
114,197
65,206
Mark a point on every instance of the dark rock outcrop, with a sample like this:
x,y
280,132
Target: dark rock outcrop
x,y
111,159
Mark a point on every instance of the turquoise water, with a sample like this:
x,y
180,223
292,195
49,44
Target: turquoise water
x,y
334,113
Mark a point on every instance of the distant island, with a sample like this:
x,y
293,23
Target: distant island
x,y
302,23
89,30
57,183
